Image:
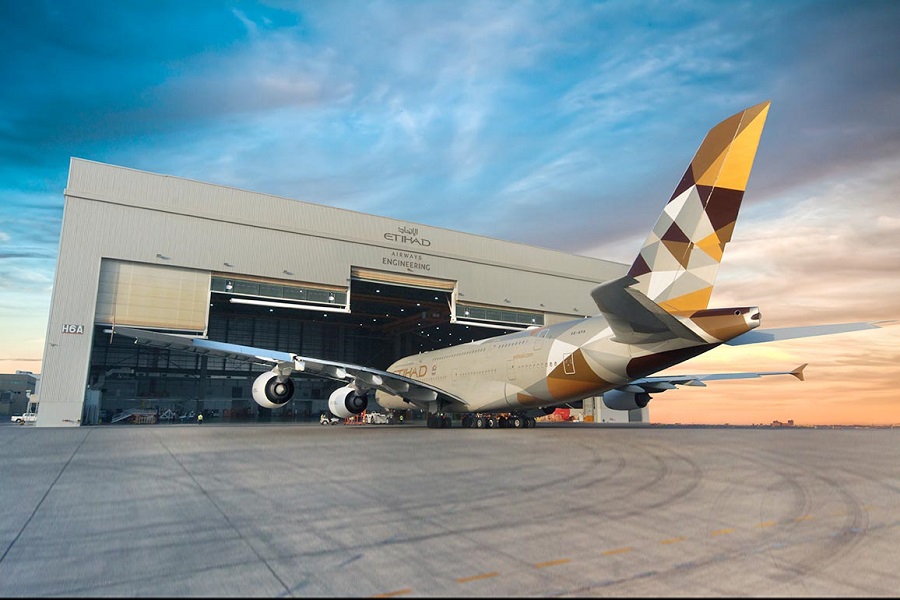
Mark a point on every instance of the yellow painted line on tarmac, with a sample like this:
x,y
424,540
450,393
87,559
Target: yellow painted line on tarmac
x,y
552,563
721,532
477,577
767,524
674,540
402,592
804,518
617,551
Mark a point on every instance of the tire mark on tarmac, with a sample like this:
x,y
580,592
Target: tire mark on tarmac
x,y
835,547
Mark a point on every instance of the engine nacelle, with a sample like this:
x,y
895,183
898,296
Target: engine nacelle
x,y
618,400
347,401
271,393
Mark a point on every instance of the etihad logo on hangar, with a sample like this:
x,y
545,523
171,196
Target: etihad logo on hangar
x,y
407,235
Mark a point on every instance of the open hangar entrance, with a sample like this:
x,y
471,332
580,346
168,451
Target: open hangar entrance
x,y
377,319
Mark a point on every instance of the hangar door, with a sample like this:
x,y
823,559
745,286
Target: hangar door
x,y
416,281
152,296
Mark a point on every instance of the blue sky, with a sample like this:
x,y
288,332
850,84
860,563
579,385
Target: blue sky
x,y
559,124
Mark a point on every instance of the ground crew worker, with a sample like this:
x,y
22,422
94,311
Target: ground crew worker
x,y
200,419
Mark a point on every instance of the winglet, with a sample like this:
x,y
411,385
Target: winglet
x,y
798,372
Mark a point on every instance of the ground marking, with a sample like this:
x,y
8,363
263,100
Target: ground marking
x,y
674,540
477,577
617,551
394,593
552,563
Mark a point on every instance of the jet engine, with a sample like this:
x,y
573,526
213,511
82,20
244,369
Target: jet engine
x,y
271,393
347,401
618,400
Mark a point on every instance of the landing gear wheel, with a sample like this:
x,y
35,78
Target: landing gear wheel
x,y
446,422
531,422
480,423
517,422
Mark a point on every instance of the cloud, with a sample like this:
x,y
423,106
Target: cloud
x,y
819,251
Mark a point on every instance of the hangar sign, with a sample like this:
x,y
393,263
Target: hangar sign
x,y
68,328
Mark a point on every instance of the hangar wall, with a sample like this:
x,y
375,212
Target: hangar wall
x,y
128,215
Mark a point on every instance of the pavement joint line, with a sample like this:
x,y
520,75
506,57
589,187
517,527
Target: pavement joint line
x,y
402,592
223,514
552,563
617,551
477,577
718,532
44,496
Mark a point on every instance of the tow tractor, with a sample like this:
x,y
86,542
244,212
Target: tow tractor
x,y
329,419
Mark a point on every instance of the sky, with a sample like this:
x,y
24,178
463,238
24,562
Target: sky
x,y
564,125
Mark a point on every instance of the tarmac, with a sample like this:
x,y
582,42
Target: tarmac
x,y
575,509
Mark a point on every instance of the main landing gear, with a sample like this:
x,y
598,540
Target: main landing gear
x,y
438,421
490,421
482,421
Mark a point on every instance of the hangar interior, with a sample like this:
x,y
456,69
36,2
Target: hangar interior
x,y
152,251
386,320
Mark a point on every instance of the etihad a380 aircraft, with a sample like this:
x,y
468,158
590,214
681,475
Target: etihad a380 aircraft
x,y
654,317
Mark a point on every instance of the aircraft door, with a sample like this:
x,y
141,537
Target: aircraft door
x,y
511,370
569,364
539,339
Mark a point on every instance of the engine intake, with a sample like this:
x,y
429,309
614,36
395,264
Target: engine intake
x,y
619,400
347,401
268,392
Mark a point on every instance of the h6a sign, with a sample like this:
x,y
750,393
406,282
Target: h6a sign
x,y
67,328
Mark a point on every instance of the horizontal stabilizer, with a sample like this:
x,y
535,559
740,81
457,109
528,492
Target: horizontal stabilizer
x,y
634,318
661,383
759,336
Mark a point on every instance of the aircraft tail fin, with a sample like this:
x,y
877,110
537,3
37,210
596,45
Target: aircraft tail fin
x,y
678,263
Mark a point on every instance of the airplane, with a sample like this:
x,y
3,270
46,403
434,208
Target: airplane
x,y
654,317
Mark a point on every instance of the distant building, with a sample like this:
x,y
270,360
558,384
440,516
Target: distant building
x,y
15,391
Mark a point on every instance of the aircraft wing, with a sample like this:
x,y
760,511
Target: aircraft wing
x,y
417,392
662,383
758,336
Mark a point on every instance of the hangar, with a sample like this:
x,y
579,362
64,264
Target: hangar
x,y
146,250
